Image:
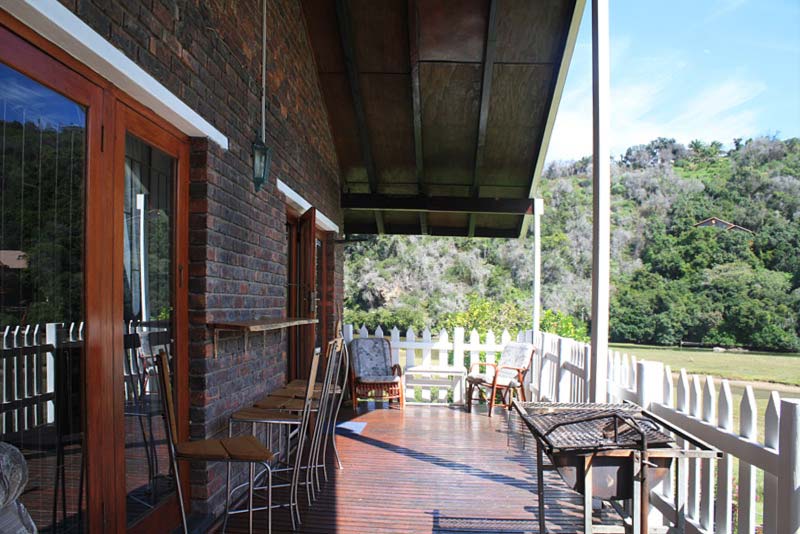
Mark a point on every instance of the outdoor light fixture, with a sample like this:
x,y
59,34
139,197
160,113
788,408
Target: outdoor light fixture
x,y
262,157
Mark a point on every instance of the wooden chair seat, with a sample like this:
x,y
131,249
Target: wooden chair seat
x,y
266,416
246,449
238,449
205,449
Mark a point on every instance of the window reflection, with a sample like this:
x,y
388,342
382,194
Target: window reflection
x,y
42,177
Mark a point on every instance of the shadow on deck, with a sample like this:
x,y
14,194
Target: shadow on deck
x,y
433,470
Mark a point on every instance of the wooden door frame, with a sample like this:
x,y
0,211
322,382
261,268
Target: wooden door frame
x,y
34,56
128,120
324,310
26,59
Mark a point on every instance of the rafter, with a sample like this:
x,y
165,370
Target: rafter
x,y
416,103
346,35
486,94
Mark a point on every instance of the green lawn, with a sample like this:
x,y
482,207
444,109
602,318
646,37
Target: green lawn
x,y
781,368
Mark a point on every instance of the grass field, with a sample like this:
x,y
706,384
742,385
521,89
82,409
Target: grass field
x,y
781,368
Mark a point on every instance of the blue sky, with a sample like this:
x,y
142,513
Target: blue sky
x,y
688,69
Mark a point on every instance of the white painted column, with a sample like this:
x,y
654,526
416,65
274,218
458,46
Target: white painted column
x,y
601,195
538,208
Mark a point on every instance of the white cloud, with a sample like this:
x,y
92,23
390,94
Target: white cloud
x,y
718,111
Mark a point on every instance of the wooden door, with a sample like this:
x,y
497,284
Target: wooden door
x,y
307,230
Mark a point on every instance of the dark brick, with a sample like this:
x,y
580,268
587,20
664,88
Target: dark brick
x,y
208,54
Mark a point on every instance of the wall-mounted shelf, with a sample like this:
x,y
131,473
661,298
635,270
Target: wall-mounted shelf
x,y
262,326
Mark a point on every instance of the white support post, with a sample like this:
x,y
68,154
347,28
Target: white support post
x,y
789,475
538,208
601,199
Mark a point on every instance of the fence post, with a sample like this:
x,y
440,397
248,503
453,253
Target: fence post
x,y
443,363
707,470
722,512
458,362
474,353
411,353
789,462
395,340
772,419
348,333
562,376
649,390
426,361
747,473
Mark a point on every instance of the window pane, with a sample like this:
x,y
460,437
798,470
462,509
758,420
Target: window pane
x,y
42,177
148,243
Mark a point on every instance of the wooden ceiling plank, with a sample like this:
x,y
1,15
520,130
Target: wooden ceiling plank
x,y
346,35
486,92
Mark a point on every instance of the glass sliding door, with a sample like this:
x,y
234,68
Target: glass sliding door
x,y
93,250
152,175
43,161
148,314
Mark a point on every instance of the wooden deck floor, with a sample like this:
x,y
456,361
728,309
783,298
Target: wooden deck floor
x,y
433,470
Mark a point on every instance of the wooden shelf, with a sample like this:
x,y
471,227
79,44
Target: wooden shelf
x,y
262,325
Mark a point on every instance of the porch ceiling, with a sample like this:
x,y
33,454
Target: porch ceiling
x,y
440,108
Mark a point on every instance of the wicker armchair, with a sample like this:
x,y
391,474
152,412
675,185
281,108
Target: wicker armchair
x,y
372,371
508,376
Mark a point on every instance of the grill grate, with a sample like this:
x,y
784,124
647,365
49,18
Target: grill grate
x,y
564,426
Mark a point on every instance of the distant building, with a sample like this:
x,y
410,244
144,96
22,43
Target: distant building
x,y
13,259
722,225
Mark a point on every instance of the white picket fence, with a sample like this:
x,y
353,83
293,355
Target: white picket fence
x,y
438,365
701,495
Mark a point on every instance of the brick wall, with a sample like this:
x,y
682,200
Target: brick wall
x,y
208,54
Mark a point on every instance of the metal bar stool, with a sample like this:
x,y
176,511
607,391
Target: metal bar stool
x,y
289,418
245,449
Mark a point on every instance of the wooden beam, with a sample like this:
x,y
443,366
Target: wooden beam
x,y
486,93
416,103
413,229
558,90
346,36
510,206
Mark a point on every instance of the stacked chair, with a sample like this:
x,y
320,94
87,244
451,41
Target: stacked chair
x,y
304,414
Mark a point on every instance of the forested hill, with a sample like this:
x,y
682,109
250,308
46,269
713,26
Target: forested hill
x,y
672,281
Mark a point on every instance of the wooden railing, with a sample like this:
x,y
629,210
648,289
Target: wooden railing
x,y
435,367
702,494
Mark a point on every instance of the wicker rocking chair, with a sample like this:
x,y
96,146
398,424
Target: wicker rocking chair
x,y
373,372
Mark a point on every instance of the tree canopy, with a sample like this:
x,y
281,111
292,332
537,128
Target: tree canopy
x,y
672,281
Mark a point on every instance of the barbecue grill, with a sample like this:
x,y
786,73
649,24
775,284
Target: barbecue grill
x,y
613,452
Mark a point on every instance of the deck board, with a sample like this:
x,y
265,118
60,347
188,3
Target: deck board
x,y
433,470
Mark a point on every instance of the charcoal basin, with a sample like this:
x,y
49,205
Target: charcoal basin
x,y
612,476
